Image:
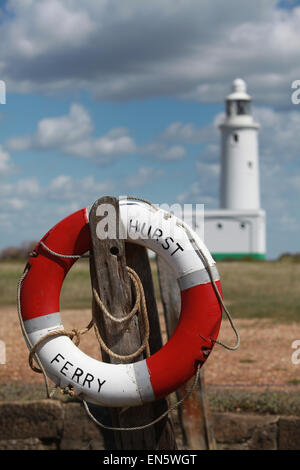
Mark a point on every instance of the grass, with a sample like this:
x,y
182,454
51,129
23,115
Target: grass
x,y
221,400
10,272
27,392
294,382
247,401
262,289
76,291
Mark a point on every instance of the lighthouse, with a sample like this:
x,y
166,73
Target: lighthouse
x,y
237,229
239,152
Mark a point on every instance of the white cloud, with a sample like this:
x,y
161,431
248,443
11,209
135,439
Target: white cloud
x,y
84,191
56,132
29,187
115,142
289,224
188,133
62,189
72,134
16,203
6,166
29,209
279,132
143,176
124,50
162,151
205,189
197,194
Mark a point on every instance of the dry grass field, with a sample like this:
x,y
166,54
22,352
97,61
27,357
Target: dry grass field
x,y
263,297
257,289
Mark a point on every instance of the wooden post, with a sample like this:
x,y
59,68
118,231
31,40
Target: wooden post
x,y
194,416
109,276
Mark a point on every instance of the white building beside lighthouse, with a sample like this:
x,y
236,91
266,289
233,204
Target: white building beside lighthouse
x,y
237,229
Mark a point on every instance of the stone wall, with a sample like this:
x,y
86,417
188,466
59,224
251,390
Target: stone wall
x,y
256,432
51,425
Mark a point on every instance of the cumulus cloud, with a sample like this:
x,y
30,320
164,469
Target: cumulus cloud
x,y
206,188
62,189
124,50
279,134
6,165
190,134
72,134
196,194
143,176
162,151
66,188
29,208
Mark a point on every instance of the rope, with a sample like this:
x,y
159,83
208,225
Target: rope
x,y
225,309
139,306
71,334
145,426
61,255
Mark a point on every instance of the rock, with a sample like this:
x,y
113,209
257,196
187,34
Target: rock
x,y
32,443
77,444
41,419
243,446
264,438
289,433
80,432
238,428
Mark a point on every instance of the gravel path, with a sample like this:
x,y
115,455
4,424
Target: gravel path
x,y
263,360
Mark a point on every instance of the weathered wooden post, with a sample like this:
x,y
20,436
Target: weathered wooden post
x,y
194,416
109,276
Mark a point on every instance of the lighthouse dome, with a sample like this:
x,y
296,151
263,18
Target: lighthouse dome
x,y
239,85
239,90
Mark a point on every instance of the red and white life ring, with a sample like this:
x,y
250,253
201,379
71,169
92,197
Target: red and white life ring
x,y
163,372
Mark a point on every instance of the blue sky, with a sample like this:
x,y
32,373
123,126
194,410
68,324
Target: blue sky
x,y
124,98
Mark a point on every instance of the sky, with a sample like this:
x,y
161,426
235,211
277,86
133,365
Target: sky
x,y
107,97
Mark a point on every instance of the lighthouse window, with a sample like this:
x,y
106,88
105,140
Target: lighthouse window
x,y
236,137
250,164
243,225
220,225
230,108
243,107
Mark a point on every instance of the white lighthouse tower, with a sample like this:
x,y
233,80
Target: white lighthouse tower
x,y
239,155
237,229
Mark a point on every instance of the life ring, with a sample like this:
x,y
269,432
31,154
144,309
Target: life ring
x,y
166,370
